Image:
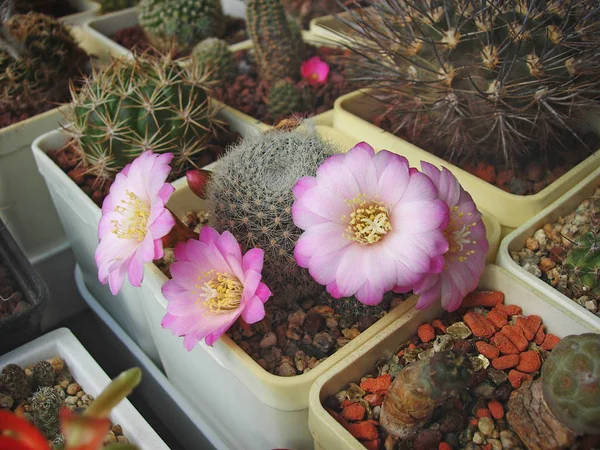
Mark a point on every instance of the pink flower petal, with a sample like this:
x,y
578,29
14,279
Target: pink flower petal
x,y
254,310
253,260
303,185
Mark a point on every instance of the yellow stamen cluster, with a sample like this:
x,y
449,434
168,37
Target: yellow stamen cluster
x,y
457,233
368,222
222,293
134,224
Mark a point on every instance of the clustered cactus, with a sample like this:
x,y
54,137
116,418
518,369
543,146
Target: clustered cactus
x,y
145,104
465,78
214,57
14,382
43,374
277,41
284,98
421,387
37,60
116,5
45,405
181,23
251,190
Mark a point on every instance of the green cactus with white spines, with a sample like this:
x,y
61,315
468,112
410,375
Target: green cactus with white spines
x,y
285,99
116,5
213,56
145,104
464,78
277,42
45,405
251,193
181,23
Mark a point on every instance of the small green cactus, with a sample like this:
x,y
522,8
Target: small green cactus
x,y
214,57
45,405
571,382
43,374
277,42
13,381
145,104
181,23
116,5
251,190
284,99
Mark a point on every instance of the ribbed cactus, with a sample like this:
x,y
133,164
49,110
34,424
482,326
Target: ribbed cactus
x,y
13,381
116,5
43,374
181,23
284,99
277,43
419,388
466,78
133,106
571,382
214,57
45,405
38,57
251,190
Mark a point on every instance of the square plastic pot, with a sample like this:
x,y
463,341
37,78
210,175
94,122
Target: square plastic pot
x,y
92,379
87,9
515,241
352,115
332,28
328,434
80,216
24,325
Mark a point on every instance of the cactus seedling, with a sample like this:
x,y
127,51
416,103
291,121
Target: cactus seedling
x,y
13,381
181,23
45,405
213,56
420,388
43,374
284,99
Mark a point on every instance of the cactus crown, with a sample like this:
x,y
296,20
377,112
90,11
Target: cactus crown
x,y
499,78
13,381
284,98
146,104
214,57
571,382
181,23
449,370
277,41
251,193
43,374
45,405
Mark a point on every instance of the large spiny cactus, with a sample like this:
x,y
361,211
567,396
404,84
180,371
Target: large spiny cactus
x,y
277,42
146,104
182,23
251,190
463,78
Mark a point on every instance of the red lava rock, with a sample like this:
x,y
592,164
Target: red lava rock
x,y
363,431
426,332
353,412
550,341
375,385
374,399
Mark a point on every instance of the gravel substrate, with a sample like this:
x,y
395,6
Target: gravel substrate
x,y
544,253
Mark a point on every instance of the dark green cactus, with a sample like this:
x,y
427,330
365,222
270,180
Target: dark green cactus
x,y
43,374
146,104
214,57
285,99
116,5
583,264
251,190
14,382
571,382
45,405
181,23
277,44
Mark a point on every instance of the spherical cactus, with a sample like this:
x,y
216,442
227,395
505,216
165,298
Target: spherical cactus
x,y
493,78
45,405
133,106
583,264
284,99
13,381
181,23
116,5
214,57
251,190
571,382
43,374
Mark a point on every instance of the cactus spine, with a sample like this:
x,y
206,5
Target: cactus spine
x,y
146,104
181,23
213,56
277,43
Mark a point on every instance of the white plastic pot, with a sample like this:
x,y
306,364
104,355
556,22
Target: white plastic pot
x,y
80,216
328,434
515,241
92,379
87,9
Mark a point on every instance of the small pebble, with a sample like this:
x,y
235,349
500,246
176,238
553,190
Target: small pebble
x,y
443,342
331,322
478,437
73,389
268,340
532,244
350,333
495,443
486,426
459,330
591,305
286,369
510,440
110,437
71,400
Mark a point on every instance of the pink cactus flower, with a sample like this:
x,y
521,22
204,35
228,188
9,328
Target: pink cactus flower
x,y
134,219
370,225
465,260
213,284
315,70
